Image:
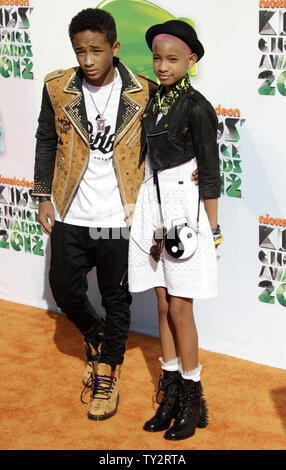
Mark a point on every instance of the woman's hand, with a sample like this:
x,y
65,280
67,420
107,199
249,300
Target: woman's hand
x,y
195,176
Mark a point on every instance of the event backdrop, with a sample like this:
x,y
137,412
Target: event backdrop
x,y
243,74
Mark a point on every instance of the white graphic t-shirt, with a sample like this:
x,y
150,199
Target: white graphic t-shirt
x,y
97,202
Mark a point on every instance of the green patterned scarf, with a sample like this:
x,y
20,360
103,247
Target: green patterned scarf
x,y
165,102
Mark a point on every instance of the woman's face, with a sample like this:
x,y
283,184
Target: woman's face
x,y
171,62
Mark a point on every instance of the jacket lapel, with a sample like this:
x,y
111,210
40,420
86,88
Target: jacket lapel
x,y
129,109
75,108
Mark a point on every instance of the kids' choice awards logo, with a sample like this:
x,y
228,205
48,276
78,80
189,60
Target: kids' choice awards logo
x,y
19,227
229,135
272,47
272,255
16,56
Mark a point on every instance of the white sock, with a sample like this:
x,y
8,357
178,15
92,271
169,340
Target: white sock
x,y
171,365
192,374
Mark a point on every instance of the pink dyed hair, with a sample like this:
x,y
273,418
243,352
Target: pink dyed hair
x,y
173,40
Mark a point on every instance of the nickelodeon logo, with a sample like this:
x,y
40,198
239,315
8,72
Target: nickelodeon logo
x,y
16,182
227,111
272,220
16,3
272,3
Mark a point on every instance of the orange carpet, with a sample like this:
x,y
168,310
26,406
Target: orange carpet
x,y
42,360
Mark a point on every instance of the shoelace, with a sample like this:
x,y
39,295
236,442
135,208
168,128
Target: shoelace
x,y
103,385
164,384
87,385
189,396
100,384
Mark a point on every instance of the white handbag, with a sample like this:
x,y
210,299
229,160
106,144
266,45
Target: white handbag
x,y
180,240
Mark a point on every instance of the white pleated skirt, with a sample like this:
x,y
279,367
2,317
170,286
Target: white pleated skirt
x,y
195,277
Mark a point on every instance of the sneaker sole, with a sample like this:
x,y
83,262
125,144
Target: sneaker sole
x,y
106,416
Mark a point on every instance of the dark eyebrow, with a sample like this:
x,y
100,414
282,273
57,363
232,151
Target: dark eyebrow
x,y
98,48
169,55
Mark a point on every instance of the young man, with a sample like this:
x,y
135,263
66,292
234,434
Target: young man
x,y
87,180
87,155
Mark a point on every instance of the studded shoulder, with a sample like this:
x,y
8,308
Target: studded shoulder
x,y
54,74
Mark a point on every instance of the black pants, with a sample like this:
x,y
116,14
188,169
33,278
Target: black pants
x,y
73,254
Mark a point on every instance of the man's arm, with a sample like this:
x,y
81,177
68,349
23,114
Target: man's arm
x,y
46,147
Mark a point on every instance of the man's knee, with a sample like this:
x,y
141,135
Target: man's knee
x,y
64,293
117,299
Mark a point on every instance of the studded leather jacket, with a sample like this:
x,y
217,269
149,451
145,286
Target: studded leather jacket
x,y
187,131
62,145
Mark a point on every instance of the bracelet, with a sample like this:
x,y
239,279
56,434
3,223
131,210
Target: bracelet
x,y
218,240
44,198
217,236
216,231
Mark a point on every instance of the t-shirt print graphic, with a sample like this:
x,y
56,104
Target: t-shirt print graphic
x,y
100,141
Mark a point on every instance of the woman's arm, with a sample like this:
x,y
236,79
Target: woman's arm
x,y
203,123
211,206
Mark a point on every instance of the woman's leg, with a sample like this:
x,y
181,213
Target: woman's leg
x,y
169,383
166,327
181,312
193,409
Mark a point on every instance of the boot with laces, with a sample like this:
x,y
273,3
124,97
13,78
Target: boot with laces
x,y
192,414
92,357
169,384
104,393
92,351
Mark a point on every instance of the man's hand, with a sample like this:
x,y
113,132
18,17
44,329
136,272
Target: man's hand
x,y
195,176
46,216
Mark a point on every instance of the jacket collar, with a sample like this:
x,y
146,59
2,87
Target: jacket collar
x,y
128,111
75,107
149,120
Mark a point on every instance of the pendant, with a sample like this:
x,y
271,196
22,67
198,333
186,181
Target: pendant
x,y
100,124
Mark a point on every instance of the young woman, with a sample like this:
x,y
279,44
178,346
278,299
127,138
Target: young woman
x,y
175,226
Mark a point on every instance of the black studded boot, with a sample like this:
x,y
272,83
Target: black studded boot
x,y
170,385
192,414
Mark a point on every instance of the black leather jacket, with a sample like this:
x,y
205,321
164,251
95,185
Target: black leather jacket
x,y
188,130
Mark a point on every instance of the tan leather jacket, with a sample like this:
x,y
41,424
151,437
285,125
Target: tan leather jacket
x,y
62,147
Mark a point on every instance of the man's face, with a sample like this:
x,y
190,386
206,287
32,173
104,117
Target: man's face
x,y
95,56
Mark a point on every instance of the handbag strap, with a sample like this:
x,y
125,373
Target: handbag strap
x,y
156,182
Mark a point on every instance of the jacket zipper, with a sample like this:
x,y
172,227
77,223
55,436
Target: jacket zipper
x,y
158,133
